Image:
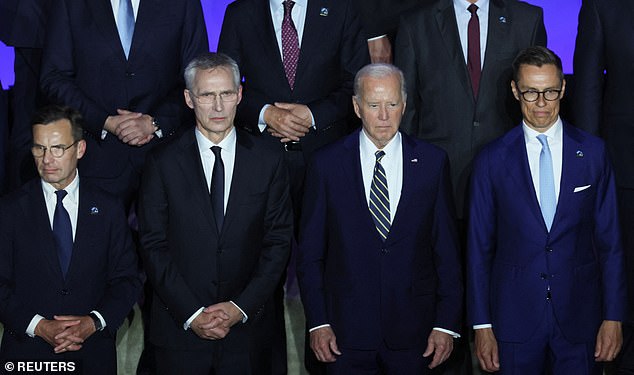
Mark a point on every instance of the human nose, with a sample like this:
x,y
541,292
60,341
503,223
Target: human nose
x,y
541,100
383,113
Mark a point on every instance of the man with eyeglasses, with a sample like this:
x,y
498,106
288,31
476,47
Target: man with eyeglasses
x,y
545,277
215,224
68,275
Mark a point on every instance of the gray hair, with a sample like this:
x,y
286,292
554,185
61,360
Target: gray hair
x,y
379,71
210,61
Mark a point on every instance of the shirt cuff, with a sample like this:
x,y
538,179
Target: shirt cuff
x,y
261,122
316,328
451,333
30,329
189,321
104,133
245,317
377,37
101,319
482,326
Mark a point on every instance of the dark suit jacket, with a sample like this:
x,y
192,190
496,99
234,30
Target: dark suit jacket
x,y
332,51
102,275
188,263
512,256
604,105
440,104
381,17
366,289
84,66
23,22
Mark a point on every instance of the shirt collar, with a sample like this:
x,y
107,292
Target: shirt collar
x,y
483,5
228,143
553,134
368,148
277,4
72,189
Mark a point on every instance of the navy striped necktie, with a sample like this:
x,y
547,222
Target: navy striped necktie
x,y
380,198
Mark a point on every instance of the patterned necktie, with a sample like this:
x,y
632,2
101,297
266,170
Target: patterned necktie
x,y
379,198
63,232
218,188
125,24
473,49
547,198
290,44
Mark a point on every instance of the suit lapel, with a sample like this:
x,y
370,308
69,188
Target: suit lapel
x,y
104,19
143,25
498,30
412,162
313,33
572,166
242,171
261,13
446,19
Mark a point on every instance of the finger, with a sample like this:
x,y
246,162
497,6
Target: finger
x,y
429,350
333,347
123,111
436,360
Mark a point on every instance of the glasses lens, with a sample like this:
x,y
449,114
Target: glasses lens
x,y
551,94
57,151
530,96
37,151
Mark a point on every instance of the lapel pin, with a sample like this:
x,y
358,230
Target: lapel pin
x,y
323,12
414,160
502,19
94,210
579,153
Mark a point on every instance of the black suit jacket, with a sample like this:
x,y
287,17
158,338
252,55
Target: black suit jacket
x,y
84,66
603,105
380,17
23,22
189,264
441,107
332,51
102,276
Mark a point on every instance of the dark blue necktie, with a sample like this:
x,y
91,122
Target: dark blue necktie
x,y
63,232
379,198
218,188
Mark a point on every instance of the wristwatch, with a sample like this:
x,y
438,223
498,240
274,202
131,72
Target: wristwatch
x,y
157,129
96,320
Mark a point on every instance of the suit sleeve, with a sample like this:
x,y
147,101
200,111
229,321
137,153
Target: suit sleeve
x,y
278,229
589,64
405,59
480,242
449,306
312,248
161,268
607,239
123,283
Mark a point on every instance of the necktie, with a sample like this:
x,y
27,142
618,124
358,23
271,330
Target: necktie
x,y
473,49
218,188
125,24
547,199
63,232
290,44
379,198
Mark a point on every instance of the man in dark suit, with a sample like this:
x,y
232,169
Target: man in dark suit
x,y
378,263
23,26
121,65
603,106
445,107
214,261
68,275
546,284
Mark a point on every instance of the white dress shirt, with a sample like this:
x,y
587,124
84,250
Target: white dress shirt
x,y
228,156
115,9
392,163
462,19
554,135
71,204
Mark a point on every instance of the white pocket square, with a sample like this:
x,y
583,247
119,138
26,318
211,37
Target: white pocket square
x,y
581,188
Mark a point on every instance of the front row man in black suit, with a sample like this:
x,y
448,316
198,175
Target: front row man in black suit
x,y
215,225
68,275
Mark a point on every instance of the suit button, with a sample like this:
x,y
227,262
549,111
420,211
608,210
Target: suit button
x,y
543,276
130,74
214,283
65,292
385,251
549,249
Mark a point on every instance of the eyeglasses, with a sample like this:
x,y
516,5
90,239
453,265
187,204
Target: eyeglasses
x,y
210,97
57,151
532,95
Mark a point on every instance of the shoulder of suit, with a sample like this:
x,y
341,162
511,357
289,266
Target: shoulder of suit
x,y
523,6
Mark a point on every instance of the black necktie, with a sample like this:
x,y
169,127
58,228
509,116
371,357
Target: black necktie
x,y
218,188
63,232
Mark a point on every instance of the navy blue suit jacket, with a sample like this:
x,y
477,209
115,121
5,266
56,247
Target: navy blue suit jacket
x,y
102,276
512,256
84,67
366,289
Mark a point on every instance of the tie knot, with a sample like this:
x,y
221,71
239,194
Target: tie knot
x,y
379,155
288,6
472,9
543,140
60,195
216,151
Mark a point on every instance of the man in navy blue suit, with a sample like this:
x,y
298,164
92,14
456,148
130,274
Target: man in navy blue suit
x,y
68,275
546,286
378,262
